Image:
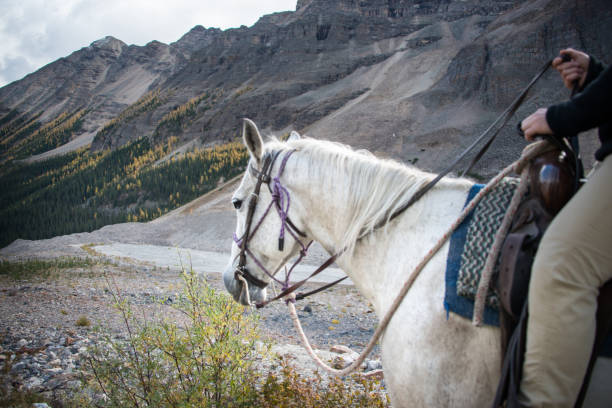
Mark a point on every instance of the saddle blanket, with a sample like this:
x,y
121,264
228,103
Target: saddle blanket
x,y
468,249
469,246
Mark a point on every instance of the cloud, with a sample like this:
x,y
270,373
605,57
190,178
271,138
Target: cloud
x,y
12,68
36,32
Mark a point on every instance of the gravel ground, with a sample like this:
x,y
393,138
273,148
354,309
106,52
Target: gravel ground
x,y
41,345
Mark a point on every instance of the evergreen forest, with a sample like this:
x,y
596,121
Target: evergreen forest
x,y
83,190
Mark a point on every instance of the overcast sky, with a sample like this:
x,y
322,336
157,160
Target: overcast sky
x,y
34,33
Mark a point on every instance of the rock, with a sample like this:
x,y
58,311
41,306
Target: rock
x,y
376,374
56,362
340,349
371,365
19,366
347,353
342,361
33,383
22,343
40,405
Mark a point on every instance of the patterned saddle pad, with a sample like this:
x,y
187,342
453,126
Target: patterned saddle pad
x,y
469,246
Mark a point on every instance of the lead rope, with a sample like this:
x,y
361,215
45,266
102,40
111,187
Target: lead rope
x,y
518,166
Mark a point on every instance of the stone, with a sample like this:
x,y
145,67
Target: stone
x,y
376,374
19,366
33,383
22,343
373,365
347,353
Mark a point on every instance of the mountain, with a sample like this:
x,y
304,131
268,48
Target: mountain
x,y
415,80
397,77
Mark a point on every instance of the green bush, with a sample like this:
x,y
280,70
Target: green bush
x,y
208,362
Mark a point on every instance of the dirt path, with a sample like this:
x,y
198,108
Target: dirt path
x,y
201,261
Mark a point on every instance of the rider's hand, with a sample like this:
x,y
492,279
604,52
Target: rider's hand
x,y
573,70
535,124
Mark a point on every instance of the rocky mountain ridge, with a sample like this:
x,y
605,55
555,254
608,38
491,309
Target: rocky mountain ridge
x,y
413,80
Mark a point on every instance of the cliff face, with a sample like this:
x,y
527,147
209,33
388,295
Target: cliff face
x,y
410,79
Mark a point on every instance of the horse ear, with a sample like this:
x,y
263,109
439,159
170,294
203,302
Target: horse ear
x,y
252,139
294,136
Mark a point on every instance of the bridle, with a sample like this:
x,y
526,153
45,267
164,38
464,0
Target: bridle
x,y
281,202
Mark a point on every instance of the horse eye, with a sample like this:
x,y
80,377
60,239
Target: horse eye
x,y
237,203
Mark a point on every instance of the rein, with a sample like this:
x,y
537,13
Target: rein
x,y
506,115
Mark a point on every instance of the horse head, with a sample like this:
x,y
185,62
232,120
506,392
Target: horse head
x,y
265,237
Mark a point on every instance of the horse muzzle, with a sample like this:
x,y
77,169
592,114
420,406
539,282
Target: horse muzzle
x,y
240,284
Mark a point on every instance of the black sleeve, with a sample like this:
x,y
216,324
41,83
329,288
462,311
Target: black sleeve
x,y
595,68
588,109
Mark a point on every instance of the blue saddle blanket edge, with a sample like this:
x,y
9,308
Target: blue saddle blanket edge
x,y
453,302
462,305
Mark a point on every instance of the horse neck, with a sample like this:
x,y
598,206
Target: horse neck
x,y
381,261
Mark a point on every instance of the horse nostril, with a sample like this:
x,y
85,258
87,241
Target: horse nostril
x,y
237,203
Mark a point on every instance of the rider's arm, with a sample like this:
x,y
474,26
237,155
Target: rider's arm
x,y
595,68
588,109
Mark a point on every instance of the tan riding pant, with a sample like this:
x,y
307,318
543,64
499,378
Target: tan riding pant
x,y
573,261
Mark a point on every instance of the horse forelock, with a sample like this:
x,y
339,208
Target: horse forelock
x,y
372,188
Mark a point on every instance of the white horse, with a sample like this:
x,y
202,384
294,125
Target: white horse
x,y
336,195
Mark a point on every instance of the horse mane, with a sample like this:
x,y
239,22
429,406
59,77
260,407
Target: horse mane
x,y
372,188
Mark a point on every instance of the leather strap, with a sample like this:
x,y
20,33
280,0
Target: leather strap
x,y
295,286
506,115
301,296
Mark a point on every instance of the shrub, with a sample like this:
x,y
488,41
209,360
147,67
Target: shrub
x,y
289,389
210,362
83,321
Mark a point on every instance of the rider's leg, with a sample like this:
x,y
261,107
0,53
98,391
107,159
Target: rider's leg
x,y
573,261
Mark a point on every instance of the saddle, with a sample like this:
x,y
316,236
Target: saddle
x,y
552,182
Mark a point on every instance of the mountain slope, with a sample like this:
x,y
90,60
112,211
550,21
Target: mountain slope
x,y
253,71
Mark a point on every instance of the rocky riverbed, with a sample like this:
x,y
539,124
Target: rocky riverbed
x,y
49,320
